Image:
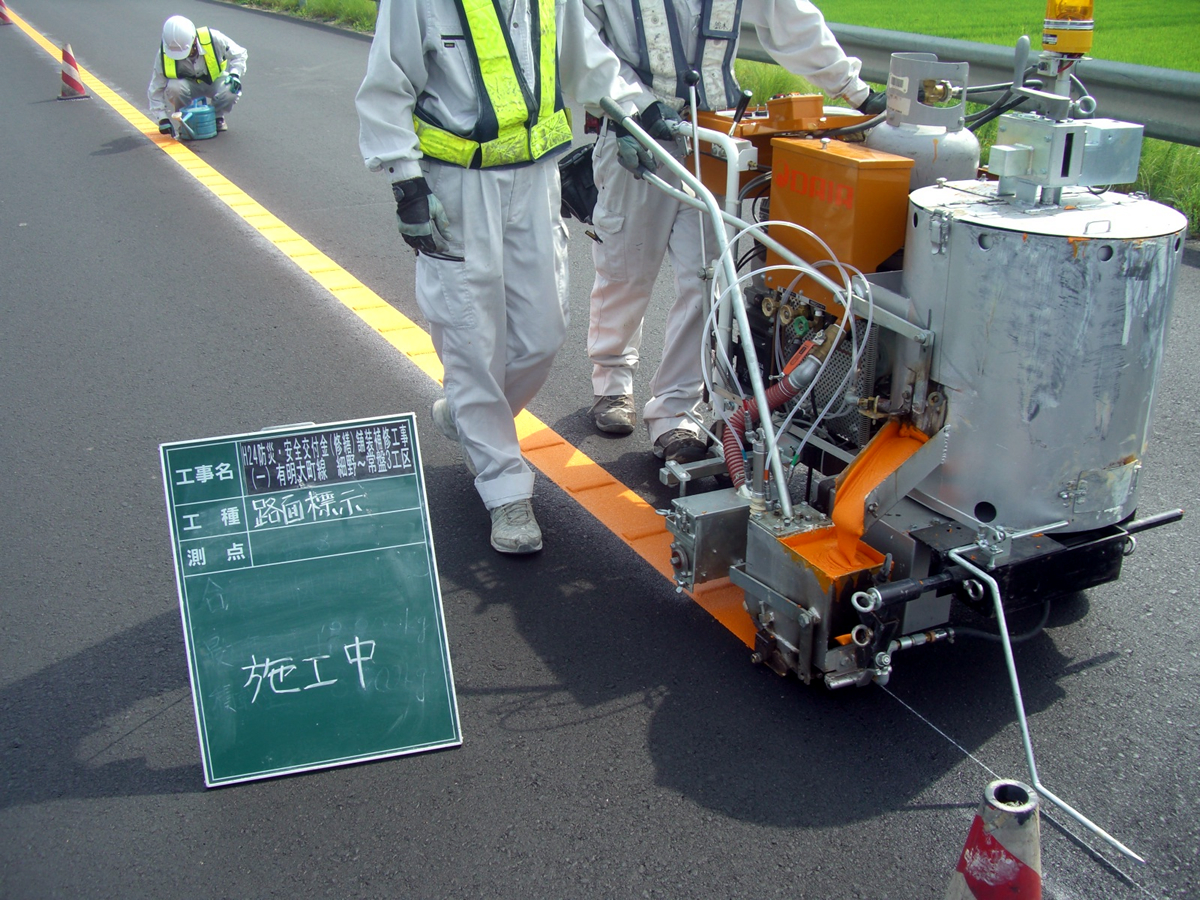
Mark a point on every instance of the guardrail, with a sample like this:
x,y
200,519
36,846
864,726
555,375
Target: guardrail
x,y
1165,101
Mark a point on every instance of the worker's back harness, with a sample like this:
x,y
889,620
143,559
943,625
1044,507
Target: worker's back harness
x,y
517,122
663,64
213,66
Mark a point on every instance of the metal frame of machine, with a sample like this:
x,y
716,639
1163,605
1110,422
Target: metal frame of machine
x,y
965,424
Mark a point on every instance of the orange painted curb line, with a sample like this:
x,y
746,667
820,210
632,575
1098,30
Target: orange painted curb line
x,y
616,507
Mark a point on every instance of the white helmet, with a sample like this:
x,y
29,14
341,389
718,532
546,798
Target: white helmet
x,y
178,36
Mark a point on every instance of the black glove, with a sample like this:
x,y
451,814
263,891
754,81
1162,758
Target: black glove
x,y
422,221
234,81
875,103
663,124
164,126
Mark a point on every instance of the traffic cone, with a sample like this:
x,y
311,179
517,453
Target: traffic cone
x,y
72,86
1002,857
4,19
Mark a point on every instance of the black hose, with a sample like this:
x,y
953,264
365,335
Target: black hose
x,y
1012,638
758,181
852,129
997,88
975,116
747,256
998,106
994,112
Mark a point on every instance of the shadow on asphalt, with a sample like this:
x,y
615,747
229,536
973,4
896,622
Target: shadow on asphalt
x,y
47,717
731,736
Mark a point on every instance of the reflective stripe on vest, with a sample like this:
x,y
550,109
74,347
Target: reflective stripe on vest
x,y
719,26
210,57
664,62
515,125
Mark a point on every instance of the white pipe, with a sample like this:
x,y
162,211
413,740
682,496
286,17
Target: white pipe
x,y
730,272
994,588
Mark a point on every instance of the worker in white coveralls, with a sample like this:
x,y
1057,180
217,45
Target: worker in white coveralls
x,y
461,108
192,63
659,43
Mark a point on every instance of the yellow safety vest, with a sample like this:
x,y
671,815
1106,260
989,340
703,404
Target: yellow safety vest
x,y
516,125
210,57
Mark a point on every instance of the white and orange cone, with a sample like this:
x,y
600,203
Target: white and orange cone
x,y
72,85
1002,857
4,17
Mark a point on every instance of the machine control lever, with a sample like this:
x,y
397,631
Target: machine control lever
x,y
740,111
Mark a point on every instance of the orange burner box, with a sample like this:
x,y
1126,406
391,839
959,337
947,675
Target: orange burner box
x,y
855,198
786,114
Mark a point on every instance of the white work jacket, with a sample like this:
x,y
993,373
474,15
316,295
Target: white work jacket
x,y
421,56
232,54
793,32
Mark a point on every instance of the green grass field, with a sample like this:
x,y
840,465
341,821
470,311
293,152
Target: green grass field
x,y
356,14
1166,35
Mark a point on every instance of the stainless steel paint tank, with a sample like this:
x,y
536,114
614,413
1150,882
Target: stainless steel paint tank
x,y
1050,326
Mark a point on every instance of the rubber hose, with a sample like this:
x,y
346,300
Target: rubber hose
x,y
778,394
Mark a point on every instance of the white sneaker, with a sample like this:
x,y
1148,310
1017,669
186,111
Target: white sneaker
x,y
514,529
444,421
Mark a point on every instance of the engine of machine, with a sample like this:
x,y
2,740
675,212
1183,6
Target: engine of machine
x,y
958,366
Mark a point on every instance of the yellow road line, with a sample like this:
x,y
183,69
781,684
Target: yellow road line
x,y
617,507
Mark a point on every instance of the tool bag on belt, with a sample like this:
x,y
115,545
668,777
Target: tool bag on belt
x,y
578,187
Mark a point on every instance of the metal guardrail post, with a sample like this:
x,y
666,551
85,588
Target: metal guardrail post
x,y
1165,101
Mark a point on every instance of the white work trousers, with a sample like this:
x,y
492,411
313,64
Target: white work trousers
x,y
498,318
180,92
638,224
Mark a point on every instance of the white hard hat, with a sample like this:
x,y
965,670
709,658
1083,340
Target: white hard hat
x,y
178,36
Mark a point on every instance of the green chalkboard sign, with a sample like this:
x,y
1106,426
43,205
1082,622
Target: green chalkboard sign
x,y
308,588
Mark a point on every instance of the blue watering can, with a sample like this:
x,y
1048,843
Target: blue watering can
x,y
197,122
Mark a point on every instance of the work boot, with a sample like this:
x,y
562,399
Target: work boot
x,y
681,446
614,414
444,421
514,529
221,126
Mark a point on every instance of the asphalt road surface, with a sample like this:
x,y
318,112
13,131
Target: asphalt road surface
x,y
617,740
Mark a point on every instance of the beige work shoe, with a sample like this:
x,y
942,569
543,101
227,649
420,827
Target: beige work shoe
x,y
444,421
514,529
614,414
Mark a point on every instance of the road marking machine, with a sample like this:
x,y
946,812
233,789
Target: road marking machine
x,y
931,387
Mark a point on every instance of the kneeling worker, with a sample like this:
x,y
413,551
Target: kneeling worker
x,y
192,63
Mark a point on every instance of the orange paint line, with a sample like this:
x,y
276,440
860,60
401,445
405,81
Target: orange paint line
x,y
613,504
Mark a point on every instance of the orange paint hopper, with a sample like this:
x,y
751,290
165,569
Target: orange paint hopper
x,y
838,551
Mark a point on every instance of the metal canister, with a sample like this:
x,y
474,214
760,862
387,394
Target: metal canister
x,y
926,118
1050,326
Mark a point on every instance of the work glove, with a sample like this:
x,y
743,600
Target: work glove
x,y
663,124
875,103
422,221
234,82
634,157
164,126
